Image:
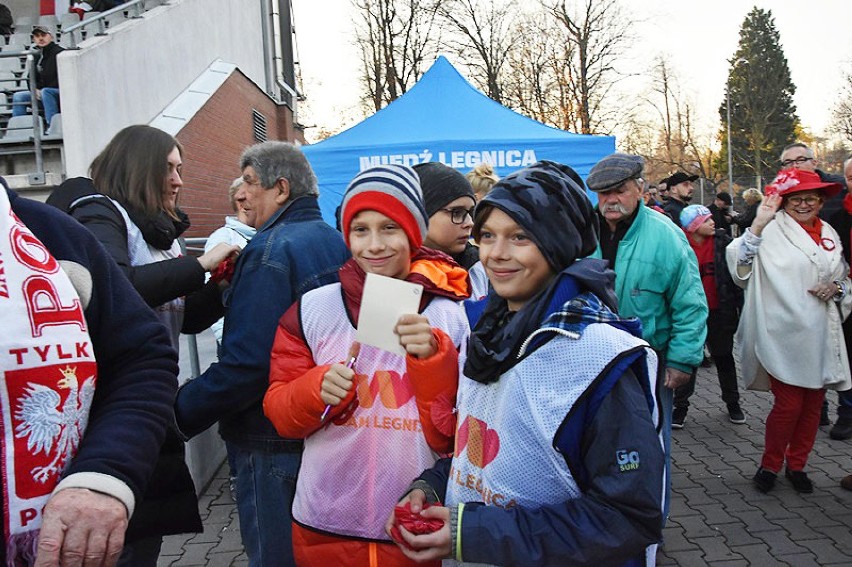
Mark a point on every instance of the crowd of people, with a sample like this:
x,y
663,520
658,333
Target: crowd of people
x,y
524,414
46,48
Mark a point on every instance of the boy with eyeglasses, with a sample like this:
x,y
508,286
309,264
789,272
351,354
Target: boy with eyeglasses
x,y
449,200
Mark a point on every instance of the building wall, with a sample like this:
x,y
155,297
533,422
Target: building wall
x,y
131,74
213,141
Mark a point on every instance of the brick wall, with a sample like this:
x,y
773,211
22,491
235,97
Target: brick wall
x,y
213,141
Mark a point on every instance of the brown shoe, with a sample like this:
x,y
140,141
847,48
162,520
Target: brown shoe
x,y
846,482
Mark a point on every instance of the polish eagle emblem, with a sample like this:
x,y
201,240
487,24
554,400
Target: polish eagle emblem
x,y
52,426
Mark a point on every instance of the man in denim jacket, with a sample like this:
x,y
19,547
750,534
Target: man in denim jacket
x,y
294,251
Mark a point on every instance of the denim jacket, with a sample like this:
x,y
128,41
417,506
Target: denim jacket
x,y
294,252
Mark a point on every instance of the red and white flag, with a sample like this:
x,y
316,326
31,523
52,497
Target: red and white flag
x,y
54,7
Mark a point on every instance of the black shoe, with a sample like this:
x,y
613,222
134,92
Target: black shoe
x,y
801,482
735,414
678,417
846,482
764,480
823,416
842,429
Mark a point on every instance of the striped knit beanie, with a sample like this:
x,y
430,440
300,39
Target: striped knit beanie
x,y
394,191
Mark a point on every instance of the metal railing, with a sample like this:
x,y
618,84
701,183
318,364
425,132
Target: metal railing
x,y
130,10
193,245
37,177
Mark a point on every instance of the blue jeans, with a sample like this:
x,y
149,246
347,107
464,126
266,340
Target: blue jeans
x,y
49,101
266,483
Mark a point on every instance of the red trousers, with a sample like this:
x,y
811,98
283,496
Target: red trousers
x,y
791,426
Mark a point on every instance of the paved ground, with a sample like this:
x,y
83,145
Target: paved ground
x,y
717,517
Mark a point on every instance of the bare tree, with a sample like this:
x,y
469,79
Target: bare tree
x,y
396,38
679,148
842,112
666,133
483,38
598,34
537,81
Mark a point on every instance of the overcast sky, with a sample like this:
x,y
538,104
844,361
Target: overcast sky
x,y
697,37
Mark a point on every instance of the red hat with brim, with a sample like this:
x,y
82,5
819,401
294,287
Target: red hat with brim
x,y
789,181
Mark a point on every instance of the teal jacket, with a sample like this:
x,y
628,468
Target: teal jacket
x,y
656,280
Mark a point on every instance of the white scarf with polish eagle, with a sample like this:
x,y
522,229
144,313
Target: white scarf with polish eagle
x,y
49,374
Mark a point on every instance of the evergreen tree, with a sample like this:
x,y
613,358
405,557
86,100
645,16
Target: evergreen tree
x,y
763,116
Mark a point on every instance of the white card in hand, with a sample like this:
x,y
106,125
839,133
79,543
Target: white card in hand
x,y
384,301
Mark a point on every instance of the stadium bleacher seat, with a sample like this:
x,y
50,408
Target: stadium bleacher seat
x,y
24,24
54,132
66,20
19,129
18,39
10,75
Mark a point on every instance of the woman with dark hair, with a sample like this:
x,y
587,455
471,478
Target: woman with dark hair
x,y
130,205
557,459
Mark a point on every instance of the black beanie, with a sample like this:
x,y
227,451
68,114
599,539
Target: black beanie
x,y
547,201
441,184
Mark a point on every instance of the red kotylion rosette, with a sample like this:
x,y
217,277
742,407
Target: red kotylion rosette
x,y
414,523
443,413
224,271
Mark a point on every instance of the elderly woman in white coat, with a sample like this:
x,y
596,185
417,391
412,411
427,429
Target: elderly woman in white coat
x,y
789,339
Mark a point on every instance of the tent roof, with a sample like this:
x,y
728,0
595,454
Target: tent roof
x,y
442,105
443,118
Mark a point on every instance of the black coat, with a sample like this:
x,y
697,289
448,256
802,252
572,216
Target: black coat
x,y
841,221
730,294
158,282
6,21
834,206
169,505
47,74
744,220
673,208
721,218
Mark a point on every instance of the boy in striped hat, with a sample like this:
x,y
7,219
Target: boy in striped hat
x,y
381,428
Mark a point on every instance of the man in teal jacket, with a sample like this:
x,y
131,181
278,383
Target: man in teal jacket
x,y
656,280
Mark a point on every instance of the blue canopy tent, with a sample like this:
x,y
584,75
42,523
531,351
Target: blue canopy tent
x,y
443,118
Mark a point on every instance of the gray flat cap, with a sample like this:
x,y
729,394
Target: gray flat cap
x,y
613,170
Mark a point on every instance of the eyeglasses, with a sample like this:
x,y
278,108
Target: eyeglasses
x,y
797,161
810,200
458,214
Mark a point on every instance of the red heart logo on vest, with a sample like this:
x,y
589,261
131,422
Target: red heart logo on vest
x,y
461,436
482,443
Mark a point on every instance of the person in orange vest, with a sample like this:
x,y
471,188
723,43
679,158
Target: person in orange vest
x,y
368,428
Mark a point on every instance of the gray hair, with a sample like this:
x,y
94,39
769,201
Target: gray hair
x,y
273,160
797,145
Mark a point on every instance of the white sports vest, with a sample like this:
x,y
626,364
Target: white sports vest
x,y
353,473
504,453
142,253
